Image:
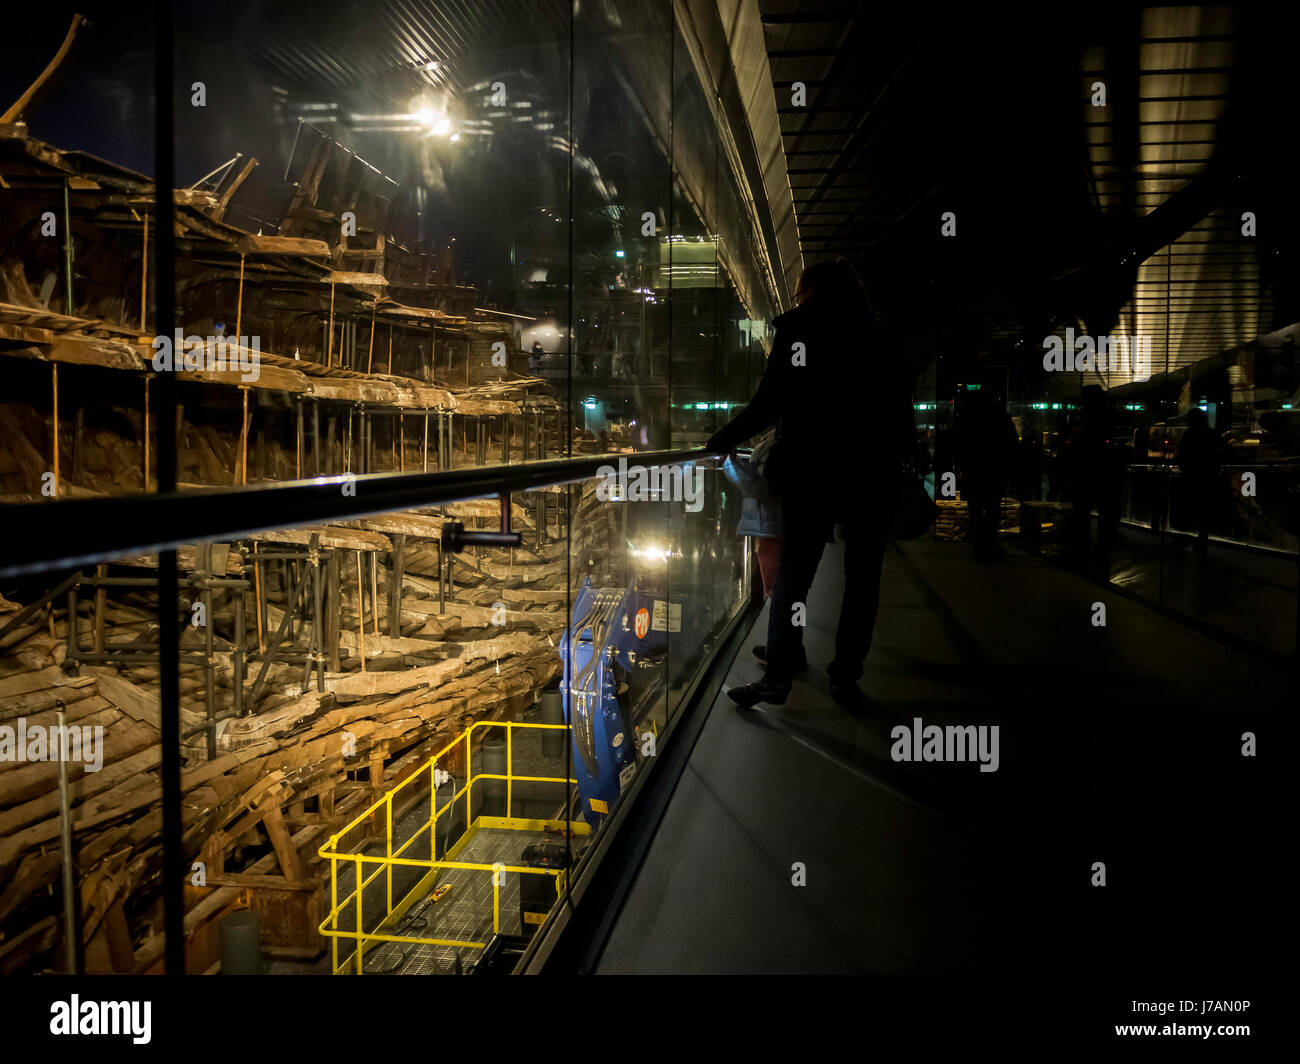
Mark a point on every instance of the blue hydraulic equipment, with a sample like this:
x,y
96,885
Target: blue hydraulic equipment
x,y
610,626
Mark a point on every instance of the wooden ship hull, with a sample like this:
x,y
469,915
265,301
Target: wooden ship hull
x,y
331,659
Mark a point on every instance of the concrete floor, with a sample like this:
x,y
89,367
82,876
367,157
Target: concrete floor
x,y
1118,744
1248,594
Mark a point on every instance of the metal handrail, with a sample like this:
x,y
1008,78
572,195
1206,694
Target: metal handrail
x,y
37,537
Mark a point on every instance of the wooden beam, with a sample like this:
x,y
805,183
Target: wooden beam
x,y
285,851
16,111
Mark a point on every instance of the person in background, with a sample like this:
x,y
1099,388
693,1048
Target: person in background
x,y
760,513
987,443
843,409
535,356
1095,466
1200,460
1029,465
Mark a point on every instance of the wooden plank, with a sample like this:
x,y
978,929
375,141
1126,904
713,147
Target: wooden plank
x,y
249,881
130,699
361,280
111,805
25,683
186,559
23,780
330,536
91,783
256,244
356,390
89,351
269,378
371,683
405,524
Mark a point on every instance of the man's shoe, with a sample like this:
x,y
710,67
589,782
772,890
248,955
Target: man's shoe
x,y
760,652
849,697
753,693
844,691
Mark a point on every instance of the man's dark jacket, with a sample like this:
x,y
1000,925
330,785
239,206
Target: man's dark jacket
x,y
843,409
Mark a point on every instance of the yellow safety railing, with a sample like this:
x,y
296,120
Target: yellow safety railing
x,y
333,925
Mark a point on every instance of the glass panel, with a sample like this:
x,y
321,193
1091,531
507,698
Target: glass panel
x,y
371,239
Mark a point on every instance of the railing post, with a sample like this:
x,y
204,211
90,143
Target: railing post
x,y
510,769
388,866
361,890
469,775
334,908
433,810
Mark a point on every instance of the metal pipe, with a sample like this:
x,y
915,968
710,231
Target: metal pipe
x,y
361,613
210,672
74,640
35,539
318,592
101,605
374,590
347,455
259,602
144,283
329,330
70,935
293,151
164,206
67,245
54,377
270,653
237,658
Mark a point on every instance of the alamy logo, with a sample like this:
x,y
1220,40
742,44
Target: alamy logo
x,y
102,1017
191,354
652,484
1114,354
956,742
57,743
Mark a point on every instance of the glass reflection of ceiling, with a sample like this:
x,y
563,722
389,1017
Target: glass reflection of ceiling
x,y
1200,294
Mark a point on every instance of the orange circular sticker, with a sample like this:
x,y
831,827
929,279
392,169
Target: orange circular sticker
x,y
642,622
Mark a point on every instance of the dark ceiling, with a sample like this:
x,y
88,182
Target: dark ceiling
x,y
1125,216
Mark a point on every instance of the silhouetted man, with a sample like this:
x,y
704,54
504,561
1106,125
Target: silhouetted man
x,y
845,428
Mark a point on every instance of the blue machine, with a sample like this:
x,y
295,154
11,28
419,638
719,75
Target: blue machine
x,y
609,626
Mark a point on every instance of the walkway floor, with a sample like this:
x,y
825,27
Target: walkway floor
x,y
1118,744
1248,594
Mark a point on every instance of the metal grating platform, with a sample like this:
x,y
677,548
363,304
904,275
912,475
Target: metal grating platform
x,y
465,913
